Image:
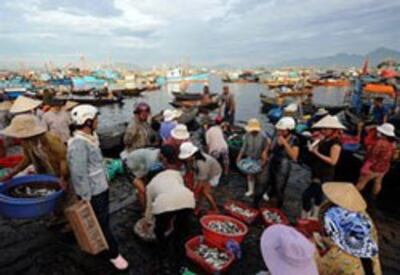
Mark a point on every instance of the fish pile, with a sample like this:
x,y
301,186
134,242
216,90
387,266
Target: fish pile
x,y
145,229
217,259
225,227
272,217
249,166
34,190
241,211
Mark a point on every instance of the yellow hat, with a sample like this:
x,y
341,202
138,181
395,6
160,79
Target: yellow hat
x,y
24,126
5,105
24,104
345,195
253,125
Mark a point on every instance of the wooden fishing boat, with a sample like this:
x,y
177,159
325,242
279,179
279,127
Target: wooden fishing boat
x,y
272,84
13,93
280,99
197,104
379,89
152,87
332,83
128,91
179,96
96,101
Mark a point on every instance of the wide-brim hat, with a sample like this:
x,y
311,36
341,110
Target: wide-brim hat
x,y
180,132
170,115
329,122
321,112
286,251
187,149
345,195
24,104
70,105
351,232
387,129
253,125
24,126
5,105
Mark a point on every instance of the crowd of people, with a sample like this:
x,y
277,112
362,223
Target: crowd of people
x,y
173,174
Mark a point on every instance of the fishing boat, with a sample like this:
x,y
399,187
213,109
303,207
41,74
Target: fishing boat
x,y
279,99
181,96
196,103
13,93
96,101
272,84
152,87
380,89
178,75
332,83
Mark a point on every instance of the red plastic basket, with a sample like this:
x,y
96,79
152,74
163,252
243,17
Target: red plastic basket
x,y
308,227
219,239
193,243
284,219
239,216
11,161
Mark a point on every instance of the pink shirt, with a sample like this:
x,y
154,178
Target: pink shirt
x,y
215,140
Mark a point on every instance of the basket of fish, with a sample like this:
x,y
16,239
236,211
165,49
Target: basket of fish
x,y
241,211
210,258
29,196
219,229
249,166
273,216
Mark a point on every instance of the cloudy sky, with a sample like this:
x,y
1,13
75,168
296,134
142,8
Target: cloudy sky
x,y
204,32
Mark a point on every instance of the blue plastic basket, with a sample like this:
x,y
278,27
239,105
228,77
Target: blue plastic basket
x,y
28,208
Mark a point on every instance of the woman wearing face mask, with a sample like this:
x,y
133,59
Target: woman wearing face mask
x,y
378,159
325,152
284,148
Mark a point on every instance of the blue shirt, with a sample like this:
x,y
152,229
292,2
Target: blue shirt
x,y
379,113
166,128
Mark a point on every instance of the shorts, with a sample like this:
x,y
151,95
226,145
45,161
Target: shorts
x,y
215,180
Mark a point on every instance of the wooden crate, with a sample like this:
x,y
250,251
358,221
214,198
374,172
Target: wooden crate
x,y
86,228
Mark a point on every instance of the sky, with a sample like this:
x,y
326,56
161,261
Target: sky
x,y
200,32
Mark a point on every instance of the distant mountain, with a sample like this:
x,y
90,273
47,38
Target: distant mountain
x,y
343,59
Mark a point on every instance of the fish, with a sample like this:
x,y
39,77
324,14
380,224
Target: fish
x,y
225,227
241,211
213,256
249,166
272,217
33,192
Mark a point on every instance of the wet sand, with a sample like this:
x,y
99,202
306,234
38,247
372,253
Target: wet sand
x,y
32,247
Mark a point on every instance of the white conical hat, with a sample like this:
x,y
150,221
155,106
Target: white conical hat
x,y
330,122
24,104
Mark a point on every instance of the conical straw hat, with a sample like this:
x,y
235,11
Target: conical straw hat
x,y
330,122
345,195
24,126
5,106
70,105
24,104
